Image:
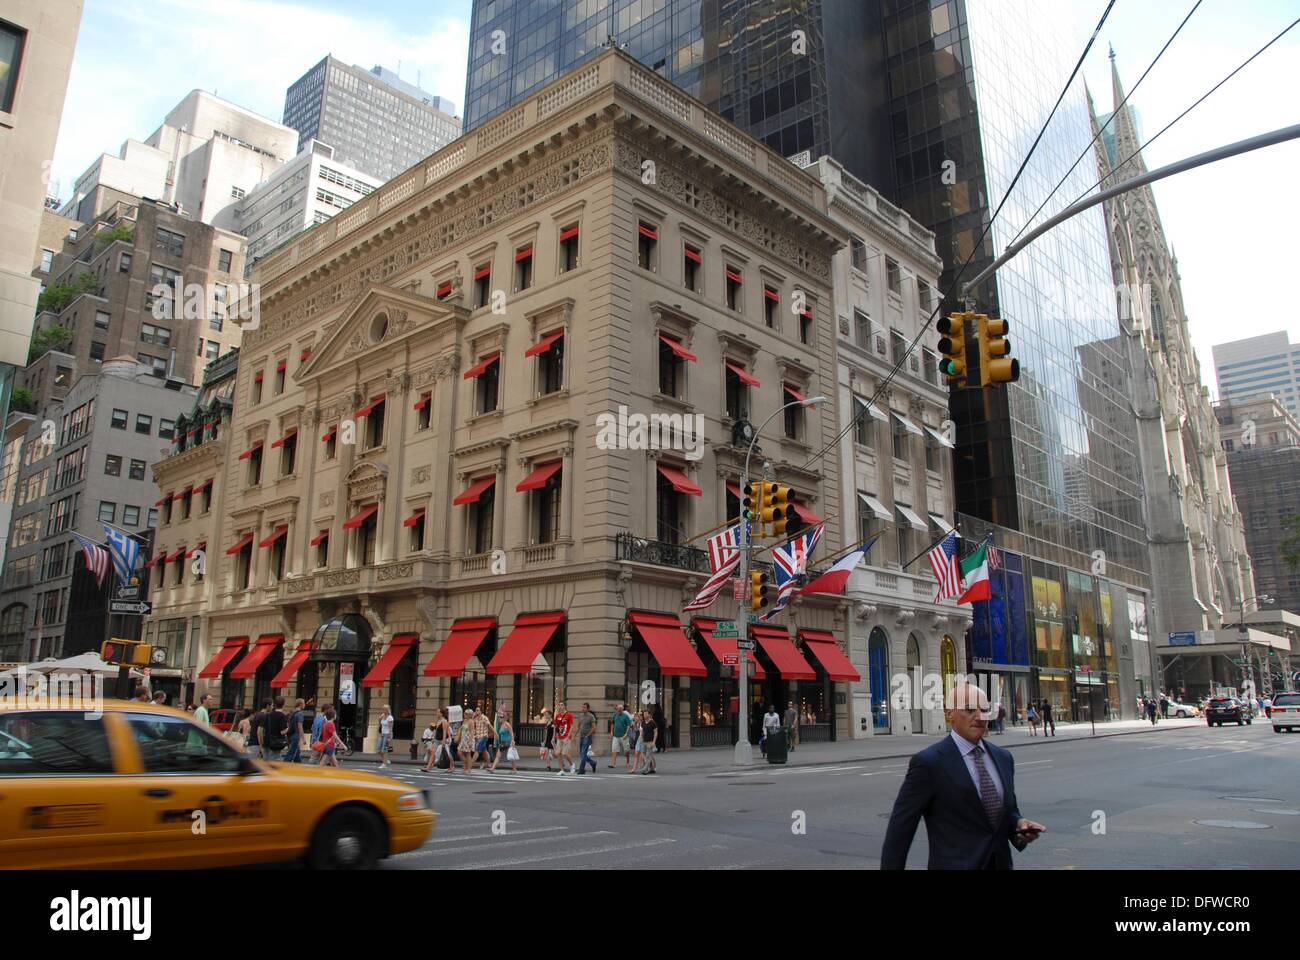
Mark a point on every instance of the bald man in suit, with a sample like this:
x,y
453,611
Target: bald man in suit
x,y
965,788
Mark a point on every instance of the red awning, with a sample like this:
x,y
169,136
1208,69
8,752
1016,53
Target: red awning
x,y
794,394
229,650
544,344
414,518
663,634
172,558
645,231
734,490
481,367
369,408
249,452
771,295
320,538
568,233
461,642
400,647
805,312
355,521
198,487
257,377
254,658
152,560
179,495
291,668
475,490
825,648
281,366
776,643
201,546
423,401
733,276
692,254
329,433
276,534
806,515
723,648
194,432
483,271
739,371
537,479
302,357
523,253
244,541
443,289
165,498
527,638
681,483
676,347
280,442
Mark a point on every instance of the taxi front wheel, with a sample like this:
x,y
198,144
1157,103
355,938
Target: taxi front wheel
x,y
347,839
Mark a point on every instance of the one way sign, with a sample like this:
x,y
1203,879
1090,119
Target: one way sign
x,y
138,607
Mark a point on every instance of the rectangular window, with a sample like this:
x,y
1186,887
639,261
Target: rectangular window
x,y
113,466
669,510
257,389
672,372
523,267
904,533
244,566
131,516
375,426
255,466
897,346
793,420
868,523
480,520
212,351
862,329
893,277
322,548
137,470
166,429
859,253
547,511
143,423
281,370
157,365
646,242
771,307
96,350
569,248
124,263
12,41
931,454
737,397
417,530
119,420
223,259
863,424
423,411
288,455
107,511
692,262
153,517
47,256
102,319
922,295
482,285
487,387
550,369
149,333
168,242
331,444
930,366
901,446
733,288
805,325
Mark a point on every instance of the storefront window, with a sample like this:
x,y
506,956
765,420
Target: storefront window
x,y
1085,642
401,694
1049,618
878,668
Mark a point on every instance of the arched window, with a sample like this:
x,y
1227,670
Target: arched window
x,y
878,670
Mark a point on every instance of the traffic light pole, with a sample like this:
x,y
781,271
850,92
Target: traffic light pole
x,y
1190,163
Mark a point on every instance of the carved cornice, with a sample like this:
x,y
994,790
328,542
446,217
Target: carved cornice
x,y
792,369
567,426
502,443
737,343
442,367
212,452
560,312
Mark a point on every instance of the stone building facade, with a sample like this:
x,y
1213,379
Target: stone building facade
x,y
420,508
896,458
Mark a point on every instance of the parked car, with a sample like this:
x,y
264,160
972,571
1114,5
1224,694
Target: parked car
x,y
1183,710
1286,712
222,719
1223,710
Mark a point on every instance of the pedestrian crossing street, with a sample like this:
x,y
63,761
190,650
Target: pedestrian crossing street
x,y
481,779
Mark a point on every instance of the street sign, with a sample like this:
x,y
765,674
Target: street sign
x,y
725,630
738,589
744,644
1239,661
127,591
732,659
135,608
1186,638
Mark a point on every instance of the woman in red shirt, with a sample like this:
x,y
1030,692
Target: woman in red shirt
x,y
330,737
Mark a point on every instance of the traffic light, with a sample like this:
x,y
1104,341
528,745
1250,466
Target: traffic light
x,y
752,506
996,363
785,521
952,345
757,590
127,653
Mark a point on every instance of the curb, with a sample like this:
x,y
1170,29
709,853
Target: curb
x,y
374,757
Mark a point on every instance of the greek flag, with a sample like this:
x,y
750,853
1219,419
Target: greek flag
x,y
124,550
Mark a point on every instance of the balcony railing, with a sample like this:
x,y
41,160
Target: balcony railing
x,y
630,547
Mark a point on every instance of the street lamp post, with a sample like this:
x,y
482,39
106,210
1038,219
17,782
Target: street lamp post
x,y
744,751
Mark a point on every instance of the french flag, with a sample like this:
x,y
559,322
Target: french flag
x,y
835,579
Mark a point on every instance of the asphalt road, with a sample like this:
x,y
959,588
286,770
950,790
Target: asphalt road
x,y
1223,798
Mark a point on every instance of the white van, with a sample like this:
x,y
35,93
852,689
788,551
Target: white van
x,y
1286,712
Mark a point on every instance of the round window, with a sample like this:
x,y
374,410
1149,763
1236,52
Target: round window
x,y
378,327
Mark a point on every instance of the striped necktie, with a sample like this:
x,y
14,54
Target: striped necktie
x,y
988,791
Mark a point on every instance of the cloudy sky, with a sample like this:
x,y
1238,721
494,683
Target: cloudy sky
x,y
1231,223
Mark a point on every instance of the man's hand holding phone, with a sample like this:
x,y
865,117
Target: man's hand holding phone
x,y
1028,830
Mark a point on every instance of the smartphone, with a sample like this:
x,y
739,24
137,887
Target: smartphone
x,y
1030,831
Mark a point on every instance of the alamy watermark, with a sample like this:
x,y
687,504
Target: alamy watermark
x,y
656,431
55,690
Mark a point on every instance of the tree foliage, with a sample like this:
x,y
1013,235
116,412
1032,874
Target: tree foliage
x,y
120,232
58,295
51,338
22,401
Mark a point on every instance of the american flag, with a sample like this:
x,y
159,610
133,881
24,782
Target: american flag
x,y
946,566
994,555
790,560
724,546
96,557
713,586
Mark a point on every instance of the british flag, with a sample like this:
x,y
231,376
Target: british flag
x,y
789,561
96,557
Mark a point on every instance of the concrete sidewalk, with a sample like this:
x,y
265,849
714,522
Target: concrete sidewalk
x,y
883,747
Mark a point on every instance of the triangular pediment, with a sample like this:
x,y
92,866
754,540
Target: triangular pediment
x,y
377,319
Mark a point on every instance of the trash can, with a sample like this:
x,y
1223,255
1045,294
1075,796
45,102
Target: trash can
x,y
776,746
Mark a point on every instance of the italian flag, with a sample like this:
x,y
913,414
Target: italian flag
x,y
975,576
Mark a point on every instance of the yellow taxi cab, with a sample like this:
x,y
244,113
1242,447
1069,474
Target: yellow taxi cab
x,y
142,785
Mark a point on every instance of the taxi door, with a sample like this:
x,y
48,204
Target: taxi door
x,y
198,801
63,803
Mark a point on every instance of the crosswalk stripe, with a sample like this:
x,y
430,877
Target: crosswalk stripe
x,y
522,861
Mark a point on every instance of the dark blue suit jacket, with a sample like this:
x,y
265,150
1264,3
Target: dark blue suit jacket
x,y
939,788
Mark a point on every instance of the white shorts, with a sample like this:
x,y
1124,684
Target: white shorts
x,y
620,745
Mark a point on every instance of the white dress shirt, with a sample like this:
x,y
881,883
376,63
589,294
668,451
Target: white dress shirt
x,y
965,746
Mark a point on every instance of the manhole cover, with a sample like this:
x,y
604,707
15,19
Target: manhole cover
x,y
1254,799
754,783
493,793
1280,811
1234,824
